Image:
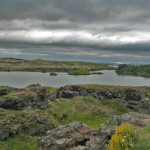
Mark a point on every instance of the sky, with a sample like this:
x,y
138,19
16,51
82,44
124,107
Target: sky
x,y
103,31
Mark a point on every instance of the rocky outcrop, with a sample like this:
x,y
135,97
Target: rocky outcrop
x,y
134,98
74,136
25,111
78,136
67,94
27,122
34,96
107,92
51,96
30,114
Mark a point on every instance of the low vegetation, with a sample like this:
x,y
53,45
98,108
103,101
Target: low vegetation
x,y
144,138
84,108
128,137
19,142
141,70
125,138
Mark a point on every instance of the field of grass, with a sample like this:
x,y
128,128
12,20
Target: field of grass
x,y
144,138
19,142
84,108
11,64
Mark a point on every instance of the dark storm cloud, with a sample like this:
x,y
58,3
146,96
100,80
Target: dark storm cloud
x,y
98,24
77,11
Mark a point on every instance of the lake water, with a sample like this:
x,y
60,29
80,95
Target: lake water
x,y
23,79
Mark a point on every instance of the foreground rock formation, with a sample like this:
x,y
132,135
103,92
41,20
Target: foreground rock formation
x,y
137,99
30,111
26,120
78,136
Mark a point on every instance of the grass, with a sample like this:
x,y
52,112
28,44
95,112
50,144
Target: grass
x,y
88,110
50,89
77,110
144,138
19,142
114,107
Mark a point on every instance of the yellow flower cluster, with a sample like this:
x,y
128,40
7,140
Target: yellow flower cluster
x,y
123,139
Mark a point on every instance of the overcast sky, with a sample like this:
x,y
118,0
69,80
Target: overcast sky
x,y
88,30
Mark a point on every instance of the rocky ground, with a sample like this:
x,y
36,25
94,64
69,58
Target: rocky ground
x,y
38,111
137,99
78,136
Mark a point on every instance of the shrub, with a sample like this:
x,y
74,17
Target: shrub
x,y
125,138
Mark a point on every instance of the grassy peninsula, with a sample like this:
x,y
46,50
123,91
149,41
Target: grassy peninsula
x,y
39,65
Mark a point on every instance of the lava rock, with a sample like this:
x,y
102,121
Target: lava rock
x,y
69,94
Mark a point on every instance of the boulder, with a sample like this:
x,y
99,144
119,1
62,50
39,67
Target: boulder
x,y
51,96
74,136
69,94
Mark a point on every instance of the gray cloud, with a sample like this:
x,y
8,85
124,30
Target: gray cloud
x,y
101,25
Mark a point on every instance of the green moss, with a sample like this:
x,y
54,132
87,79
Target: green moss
x,y
19,142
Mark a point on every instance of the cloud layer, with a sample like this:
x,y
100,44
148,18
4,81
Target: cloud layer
x,y
117,27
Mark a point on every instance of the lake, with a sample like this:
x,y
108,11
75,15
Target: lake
x,y
109,77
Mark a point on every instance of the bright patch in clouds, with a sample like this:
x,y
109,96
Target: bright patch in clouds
x,y
77,37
